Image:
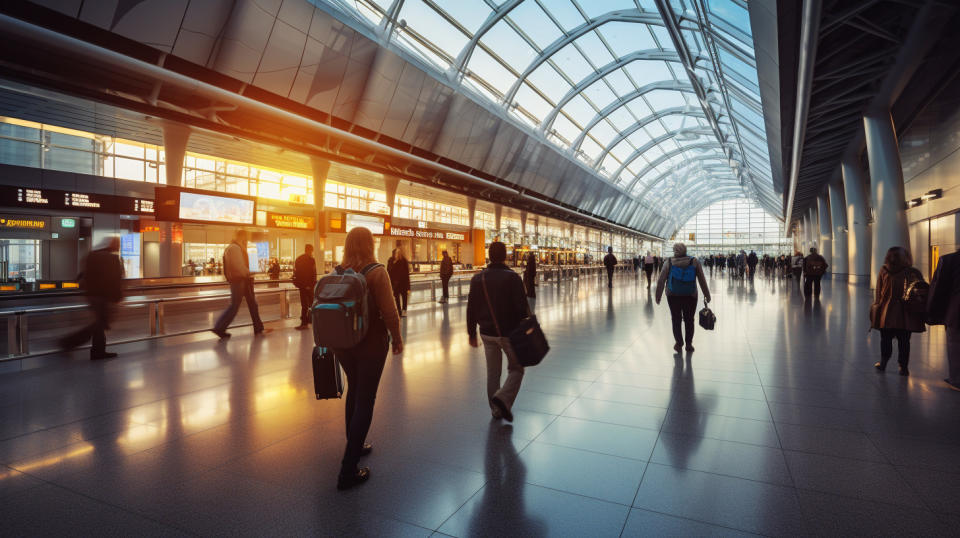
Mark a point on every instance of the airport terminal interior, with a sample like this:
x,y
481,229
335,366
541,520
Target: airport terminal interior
x,y
719,213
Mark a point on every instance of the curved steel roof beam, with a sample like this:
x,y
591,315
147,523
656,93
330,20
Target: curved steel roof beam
x,y
649,145
625,15
659,160
625,100
623,135
652,54
682,168
701,176
460,64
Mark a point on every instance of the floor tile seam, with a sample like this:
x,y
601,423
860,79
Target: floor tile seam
x,y
247,454
610,423
653,448
464,503
591,451
528,389
884,502
134,513
585,397
582,495
900,474
690,435
701,521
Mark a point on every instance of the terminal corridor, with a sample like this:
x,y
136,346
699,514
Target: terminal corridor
x,y
777,424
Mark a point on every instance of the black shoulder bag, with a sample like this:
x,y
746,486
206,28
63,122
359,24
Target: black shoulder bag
x,y
527,340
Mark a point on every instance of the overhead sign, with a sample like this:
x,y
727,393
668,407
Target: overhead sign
x,y
204,207
24,222
296,222
68,223
420,233
11,196
374,224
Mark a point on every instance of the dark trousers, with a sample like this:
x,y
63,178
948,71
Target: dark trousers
x,y
648,269
953,353
811,281
528,284
95,331
240,290
306,300
609,277
903,345
682,308
445,281
363,366
753,270
401,298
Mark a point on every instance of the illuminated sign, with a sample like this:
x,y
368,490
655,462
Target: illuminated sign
x,y
374,224
69,285
418,233
55,199
191,205
24,222
297,222
47,286
68,223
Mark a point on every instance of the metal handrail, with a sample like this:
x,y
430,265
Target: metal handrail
x,y
17,318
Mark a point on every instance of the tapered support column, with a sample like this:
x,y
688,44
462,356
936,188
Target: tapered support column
x,y
825,243
805,243
814,229
175,138
320,168
886,188
859,245
838,227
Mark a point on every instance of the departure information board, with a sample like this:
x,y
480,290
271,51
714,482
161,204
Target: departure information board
x,y
11,196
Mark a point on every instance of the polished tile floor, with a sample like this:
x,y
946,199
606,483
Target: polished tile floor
x,y
776,425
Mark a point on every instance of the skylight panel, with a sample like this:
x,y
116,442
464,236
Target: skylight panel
x,y
603,133
654,129
730,61
532,103
572,63
485,67
580,110
565,128
533,22
627,37
509,45
599,94
639,108
639,138
547,80
596,8
621,118
589,151
423,20
594,49
663,99
731,13
469,14
646,71
564,11
621,84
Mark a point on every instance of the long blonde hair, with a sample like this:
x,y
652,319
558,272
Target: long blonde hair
x,y
358,249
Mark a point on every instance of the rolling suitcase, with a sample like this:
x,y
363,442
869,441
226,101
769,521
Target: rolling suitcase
x,y
327,377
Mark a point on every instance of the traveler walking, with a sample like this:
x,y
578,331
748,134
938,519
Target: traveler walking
x,y
636,266
680,276
273,271
752,263
711,261
363,363
610,262
814,266
236,267
943,308
741,263
796,266
530,275
102,283
399,270
446,271
305,278
497,305
890,313
648,267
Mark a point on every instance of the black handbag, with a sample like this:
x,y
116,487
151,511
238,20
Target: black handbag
x,y
707,318
327,377
527,340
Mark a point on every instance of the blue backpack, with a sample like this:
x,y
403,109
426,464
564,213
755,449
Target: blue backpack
x,y
341,308
682,280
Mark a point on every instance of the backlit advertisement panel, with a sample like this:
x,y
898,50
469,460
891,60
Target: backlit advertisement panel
x,y
219,209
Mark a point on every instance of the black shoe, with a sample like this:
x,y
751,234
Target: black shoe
x,y
903,371
504,412
677,347
366,450
302,326
347,481
222,334
689,347
101,356
881,366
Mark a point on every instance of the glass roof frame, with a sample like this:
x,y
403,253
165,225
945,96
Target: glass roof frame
x,y
713,74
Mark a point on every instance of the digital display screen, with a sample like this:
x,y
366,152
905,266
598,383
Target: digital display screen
x,y
297,222
57,199
211,208
374,224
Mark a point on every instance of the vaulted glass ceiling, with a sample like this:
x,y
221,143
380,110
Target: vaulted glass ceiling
x,y
660,97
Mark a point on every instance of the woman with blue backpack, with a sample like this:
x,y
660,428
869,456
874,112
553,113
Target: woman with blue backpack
x,y
679,276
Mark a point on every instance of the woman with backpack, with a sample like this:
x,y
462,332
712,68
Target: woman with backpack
x,y
680,276
898,308
363,363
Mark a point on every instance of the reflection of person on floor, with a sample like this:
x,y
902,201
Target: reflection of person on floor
x,y
305,278
497,303
102,281
236,267
502,510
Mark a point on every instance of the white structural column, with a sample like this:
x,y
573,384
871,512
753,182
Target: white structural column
x,y
814,228
825,244
859,246
886,188
175,138
320,168
805,229
838,225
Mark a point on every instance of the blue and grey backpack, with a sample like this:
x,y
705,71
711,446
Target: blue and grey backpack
x,y
682,280
341,308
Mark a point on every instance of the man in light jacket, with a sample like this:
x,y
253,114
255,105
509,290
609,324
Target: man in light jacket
x,y
236,268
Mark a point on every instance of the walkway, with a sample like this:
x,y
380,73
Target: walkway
x,y
776,425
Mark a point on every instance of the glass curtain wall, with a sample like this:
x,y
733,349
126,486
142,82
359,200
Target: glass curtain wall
x,y
731,226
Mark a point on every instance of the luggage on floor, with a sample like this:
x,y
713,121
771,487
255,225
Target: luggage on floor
x,y
707,318
327,377
341,308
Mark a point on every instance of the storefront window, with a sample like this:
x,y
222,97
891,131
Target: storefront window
x,y
22,257
425,210
351,198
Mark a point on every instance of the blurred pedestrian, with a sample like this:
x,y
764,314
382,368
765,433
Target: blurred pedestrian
x,y
610,262
530,275
102,282
446,271
943,307
305,279
236,267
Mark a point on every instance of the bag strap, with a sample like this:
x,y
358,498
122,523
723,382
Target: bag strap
x,y
369,268
483,280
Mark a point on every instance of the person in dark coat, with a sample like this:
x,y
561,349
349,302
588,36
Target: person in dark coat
x,y
814,267
752,261
399,270
446,271
943,307
530,275
889,314
305,278
102,281
610,262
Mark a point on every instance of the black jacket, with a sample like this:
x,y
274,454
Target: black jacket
x,y
943,301
103,275
610,261
305,271
752,260
399,271
446,267
507,297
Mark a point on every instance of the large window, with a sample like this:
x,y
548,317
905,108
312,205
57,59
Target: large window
x,y
351,198
216,174
730,226
425,210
